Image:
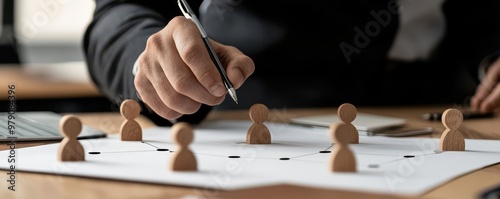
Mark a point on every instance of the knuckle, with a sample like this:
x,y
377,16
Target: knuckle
x,y
182,83
172,100
144,61
207,76
153,41
190,52
176,21
140,82
154,47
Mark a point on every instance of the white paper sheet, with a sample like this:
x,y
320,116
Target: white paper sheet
x,y
381,165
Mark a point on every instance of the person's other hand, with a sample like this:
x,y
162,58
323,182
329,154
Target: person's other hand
x,y
487,96
176,75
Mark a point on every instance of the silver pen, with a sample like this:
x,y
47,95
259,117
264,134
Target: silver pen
x,y
189,14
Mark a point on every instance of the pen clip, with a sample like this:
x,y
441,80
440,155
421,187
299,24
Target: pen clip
x,y
189,14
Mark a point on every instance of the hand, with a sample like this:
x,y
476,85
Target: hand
x,y
487,97
176,75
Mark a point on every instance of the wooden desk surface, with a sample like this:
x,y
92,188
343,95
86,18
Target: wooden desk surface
x,y
32,185
30,86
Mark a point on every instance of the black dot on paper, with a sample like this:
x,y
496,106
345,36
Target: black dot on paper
x,y
94,152
409,156
284,158
324,151
233,156
161,149
373,166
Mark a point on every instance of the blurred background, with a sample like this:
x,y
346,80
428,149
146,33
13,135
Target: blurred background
x,y
41,51
50,31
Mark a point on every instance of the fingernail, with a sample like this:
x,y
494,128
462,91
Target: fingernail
x,y
217,90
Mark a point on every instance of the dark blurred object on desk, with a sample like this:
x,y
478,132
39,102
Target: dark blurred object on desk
x,y
467,115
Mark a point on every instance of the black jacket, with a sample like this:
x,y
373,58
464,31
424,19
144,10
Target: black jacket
x,y
307,54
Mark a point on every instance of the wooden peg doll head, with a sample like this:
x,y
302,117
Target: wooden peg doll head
x,y
130,109
70,126
347,112
258,113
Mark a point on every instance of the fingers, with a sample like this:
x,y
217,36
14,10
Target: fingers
x,y
156,90
487,96
194,54
148,95
482,91
182,77
492,101
176,74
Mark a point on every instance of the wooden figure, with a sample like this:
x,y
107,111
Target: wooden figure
x,y
70,148
258,133
342,158
183,158
347,113
452,139
130,130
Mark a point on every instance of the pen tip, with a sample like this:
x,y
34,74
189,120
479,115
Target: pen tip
x,y
232,92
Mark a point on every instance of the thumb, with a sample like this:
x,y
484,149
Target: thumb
x,y
238,65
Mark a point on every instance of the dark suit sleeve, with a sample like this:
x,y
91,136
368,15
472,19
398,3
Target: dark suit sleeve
x,y
473,34
115,38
